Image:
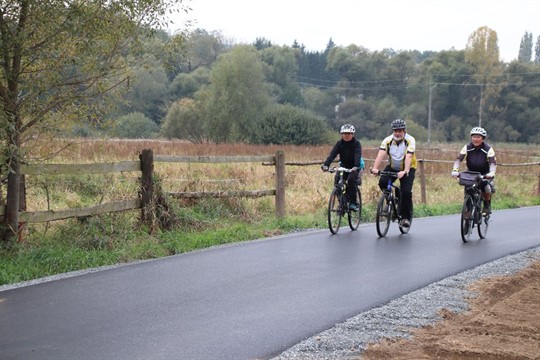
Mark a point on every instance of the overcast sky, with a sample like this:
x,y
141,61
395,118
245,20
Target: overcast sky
x,y
374,24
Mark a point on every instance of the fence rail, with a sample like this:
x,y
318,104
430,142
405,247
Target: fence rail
x,y
146,164
268,160
56,169
146,167
52,215
421,171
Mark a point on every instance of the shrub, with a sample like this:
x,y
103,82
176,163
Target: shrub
x,y
287,124
135,126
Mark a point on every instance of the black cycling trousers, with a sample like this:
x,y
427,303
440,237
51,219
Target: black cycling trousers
x,y
352,183
406,185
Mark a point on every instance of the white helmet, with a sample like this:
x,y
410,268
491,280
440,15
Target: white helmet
x,y
479,131
347,128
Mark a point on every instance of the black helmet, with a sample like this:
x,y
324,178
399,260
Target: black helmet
x,y
398,124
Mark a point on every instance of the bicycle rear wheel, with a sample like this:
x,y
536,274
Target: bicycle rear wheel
x,y
334,211
467,218
383,216
483,225
356,216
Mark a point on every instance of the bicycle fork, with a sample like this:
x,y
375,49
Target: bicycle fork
x,y
344,201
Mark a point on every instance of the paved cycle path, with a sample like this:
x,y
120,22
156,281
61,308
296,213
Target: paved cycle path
x,y
247,301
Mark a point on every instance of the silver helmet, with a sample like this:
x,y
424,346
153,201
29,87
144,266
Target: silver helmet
x,y
398,124
479,131
347,128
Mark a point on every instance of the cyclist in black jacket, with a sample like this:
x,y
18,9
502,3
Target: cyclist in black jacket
x,y
349,150
479,157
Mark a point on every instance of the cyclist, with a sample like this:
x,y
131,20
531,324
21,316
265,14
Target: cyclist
x,y
349,150
480,157
400,148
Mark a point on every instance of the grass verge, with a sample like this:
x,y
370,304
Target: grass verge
x,y
116,238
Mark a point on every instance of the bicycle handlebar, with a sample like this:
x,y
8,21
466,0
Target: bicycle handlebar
x,y
388,173
479,176
340,168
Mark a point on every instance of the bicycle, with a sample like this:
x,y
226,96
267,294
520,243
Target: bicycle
x,y
338,205
471,213
389,207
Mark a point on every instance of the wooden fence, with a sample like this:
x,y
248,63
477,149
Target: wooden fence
x,y
146,166
421,174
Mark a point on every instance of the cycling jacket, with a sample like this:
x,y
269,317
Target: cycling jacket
x,y
397,150
350,153
478,158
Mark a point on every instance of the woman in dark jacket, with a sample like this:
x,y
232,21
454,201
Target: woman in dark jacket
x,y
349,150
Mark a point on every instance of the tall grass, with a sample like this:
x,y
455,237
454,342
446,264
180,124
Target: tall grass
x,y
75,244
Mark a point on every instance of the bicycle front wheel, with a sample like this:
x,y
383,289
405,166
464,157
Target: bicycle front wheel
x,y
383,216
467,218
356,216
483,225
334,211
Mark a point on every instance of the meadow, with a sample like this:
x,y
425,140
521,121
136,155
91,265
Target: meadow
x,y
74,244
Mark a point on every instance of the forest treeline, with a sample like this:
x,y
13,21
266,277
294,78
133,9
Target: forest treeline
x,y
199,87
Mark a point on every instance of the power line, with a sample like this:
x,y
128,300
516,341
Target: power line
x,y
408,85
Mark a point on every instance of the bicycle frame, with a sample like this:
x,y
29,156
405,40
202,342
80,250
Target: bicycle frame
x,y
341,186
476,194
389,206
339,195
393,194
472,216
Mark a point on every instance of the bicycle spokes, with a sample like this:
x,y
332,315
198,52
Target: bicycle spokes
x,y
467,218
335,211
383,216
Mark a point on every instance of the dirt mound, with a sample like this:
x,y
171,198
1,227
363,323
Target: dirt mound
x,y
503,323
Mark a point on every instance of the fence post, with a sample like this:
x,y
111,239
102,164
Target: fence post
x,y
538,188
280,184
147,186
422,181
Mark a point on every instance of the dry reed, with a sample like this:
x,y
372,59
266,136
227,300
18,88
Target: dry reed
x,y
307,188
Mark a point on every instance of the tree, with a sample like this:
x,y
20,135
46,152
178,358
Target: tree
x,y
59,57
262,43
281,68
525,48
185,85
235,100
288,124
350,64
320,102
400,69
148,91
482,52
537,51
197,49
183,122
135,126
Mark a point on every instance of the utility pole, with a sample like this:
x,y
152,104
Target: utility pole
x,y
429,114
480,106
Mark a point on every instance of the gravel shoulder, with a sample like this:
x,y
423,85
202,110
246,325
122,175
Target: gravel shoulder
x,y
389,327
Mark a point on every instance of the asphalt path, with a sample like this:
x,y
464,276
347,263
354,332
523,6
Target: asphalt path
x,y
250,300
